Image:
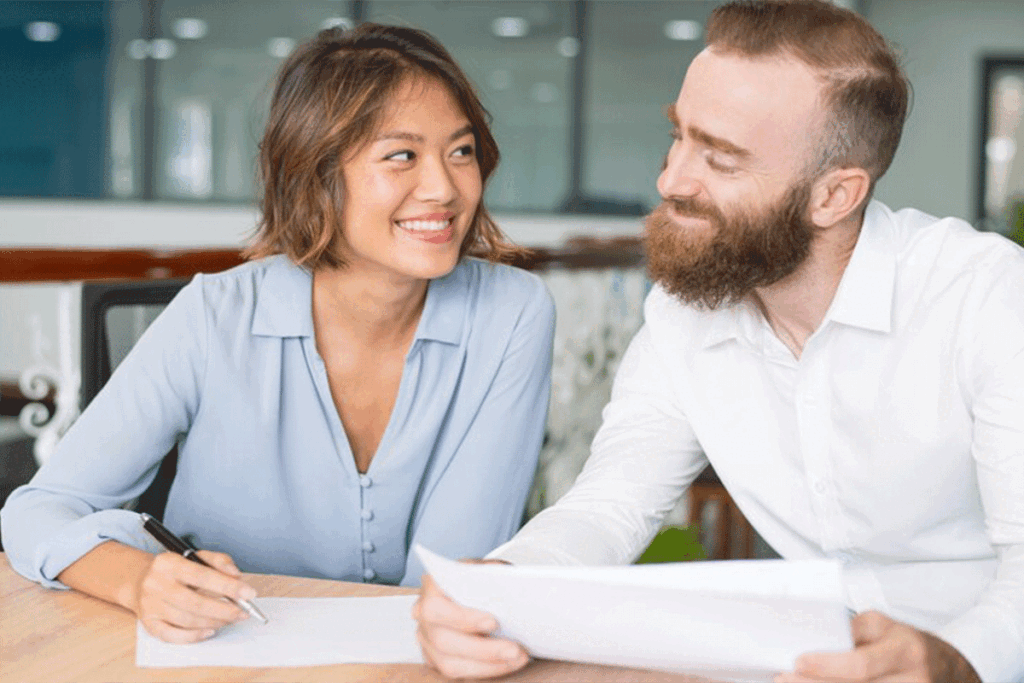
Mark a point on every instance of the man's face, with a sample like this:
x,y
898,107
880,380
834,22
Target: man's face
x,y
735,191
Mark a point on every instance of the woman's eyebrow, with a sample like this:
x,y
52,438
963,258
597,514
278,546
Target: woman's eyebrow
x,y
416,137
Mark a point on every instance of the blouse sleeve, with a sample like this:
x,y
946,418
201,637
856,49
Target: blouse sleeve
x,y
111,454
479,500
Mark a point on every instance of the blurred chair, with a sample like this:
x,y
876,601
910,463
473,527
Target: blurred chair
x,y
731,536
114,316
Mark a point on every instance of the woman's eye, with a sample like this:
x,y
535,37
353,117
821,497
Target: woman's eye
x,y
404,155
464,151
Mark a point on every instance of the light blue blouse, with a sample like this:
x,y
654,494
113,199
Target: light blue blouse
x,y
265,473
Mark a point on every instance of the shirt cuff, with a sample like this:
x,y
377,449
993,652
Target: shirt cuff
x,y
82,535
990,642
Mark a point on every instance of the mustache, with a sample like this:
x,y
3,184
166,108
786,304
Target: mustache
x,y
691,207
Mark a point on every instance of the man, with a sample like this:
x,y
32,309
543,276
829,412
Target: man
x,y
855,375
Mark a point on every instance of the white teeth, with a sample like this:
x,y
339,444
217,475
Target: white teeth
x,y
423,225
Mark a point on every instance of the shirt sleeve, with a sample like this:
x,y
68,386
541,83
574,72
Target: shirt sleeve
x,y
480,497
112,452
990,635
643,457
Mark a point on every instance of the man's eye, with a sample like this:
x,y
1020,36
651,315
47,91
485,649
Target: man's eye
x,y
404,155
465,151
716,165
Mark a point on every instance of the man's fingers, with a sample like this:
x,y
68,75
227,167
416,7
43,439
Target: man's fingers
x,y
460,666
435,607
869,626
482,648
865,663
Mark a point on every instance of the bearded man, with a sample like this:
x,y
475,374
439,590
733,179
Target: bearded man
x,y
855,375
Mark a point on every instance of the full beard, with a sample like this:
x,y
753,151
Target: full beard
x,y
736,255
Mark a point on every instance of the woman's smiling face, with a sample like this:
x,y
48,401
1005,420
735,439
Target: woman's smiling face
x,y
412,191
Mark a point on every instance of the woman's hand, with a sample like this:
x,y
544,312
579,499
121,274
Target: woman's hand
x,y
457,641
180,601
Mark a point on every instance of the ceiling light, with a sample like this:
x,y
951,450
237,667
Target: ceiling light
x,y
162,48
42,31
510,27
682,30
337,22
568,47
190,29
1000,149
138,49
280,47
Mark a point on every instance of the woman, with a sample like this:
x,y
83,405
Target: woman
x,y
357,387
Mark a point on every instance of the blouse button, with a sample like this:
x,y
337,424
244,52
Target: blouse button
x,y
369,574
366,514
365,481
368,547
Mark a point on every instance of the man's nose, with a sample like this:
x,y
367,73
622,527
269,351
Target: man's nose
x,y
677,178
435,182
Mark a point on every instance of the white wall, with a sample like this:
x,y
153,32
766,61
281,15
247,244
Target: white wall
x,y
943,42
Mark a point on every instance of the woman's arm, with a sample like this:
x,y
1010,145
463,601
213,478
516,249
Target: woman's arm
x,y
66,528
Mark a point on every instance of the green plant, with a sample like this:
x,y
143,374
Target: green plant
x,y
674,544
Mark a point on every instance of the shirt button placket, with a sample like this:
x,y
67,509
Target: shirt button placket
x,y
366,514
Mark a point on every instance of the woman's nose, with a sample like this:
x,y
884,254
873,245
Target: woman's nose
x,y
436,183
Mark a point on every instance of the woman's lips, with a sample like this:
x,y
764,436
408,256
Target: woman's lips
x,y
428,229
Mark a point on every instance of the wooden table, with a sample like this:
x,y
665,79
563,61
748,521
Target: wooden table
x,y
49,636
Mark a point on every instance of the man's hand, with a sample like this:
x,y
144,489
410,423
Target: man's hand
x,y
457,641
886,651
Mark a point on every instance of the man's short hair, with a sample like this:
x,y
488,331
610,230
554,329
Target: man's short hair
x,y
866,93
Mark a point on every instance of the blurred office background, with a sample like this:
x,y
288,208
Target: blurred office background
x,y
134,123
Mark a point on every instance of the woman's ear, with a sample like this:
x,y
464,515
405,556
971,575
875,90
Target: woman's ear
x,y
837,194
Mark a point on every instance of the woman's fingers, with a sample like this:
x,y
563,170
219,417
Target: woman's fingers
x,y
183,601
172,634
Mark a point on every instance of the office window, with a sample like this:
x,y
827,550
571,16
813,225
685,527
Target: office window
x,y
519,56
1001,192
179,90
636,61
52,98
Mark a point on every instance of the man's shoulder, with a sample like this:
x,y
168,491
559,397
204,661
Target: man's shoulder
x,y
681,324
946,242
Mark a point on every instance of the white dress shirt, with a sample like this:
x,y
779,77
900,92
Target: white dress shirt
x,y
894,444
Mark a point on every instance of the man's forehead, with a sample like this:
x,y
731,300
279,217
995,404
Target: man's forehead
x,y
754,103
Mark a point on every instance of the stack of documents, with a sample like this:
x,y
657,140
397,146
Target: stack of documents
x,y
742,620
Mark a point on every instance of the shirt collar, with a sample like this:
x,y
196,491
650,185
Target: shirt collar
x,y
284,300
866,291
444,312
284,304
864,297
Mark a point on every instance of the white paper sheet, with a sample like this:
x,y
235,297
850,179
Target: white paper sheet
x,y
301,632
743,620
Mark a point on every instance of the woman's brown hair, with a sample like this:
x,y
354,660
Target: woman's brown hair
x,y
329,98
